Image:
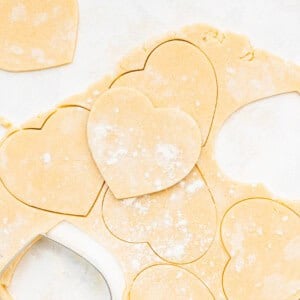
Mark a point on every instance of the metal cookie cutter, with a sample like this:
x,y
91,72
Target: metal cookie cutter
x,y
80,244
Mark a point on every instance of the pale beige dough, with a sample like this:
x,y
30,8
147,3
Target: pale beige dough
x,y
140,149
178,223
37,34
177,74
263,240
244,75
168,282
60,174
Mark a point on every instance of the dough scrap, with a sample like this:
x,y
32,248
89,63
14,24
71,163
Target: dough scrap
x,y
140,149
37,34
178,223
60,172
163,282
263,240
177,74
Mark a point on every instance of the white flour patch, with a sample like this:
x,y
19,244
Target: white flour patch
x,y
47,158
237,241
167,152
195,186
141,206
109,143
169,158
239,264
114,157
175,252
102,131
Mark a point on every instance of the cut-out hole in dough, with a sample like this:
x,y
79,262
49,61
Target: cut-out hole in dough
x,y
67,246
50,271
260,143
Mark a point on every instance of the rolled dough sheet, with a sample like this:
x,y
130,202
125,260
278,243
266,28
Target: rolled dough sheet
x,y
37,34
244,75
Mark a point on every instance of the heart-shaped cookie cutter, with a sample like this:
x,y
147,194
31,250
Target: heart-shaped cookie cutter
x,y
87,249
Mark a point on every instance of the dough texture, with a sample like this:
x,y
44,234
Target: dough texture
x,y
179,226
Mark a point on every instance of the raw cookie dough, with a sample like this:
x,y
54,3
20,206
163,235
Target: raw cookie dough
x,y
20,224
178,223
60,175
163,282
37,34
244,75
140,149
177,74
263,239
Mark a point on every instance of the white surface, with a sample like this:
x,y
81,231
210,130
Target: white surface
x,y
260,143
71,237
50,271
110,29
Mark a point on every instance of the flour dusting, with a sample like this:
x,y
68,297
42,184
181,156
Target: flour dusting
x,y
47,158
195,186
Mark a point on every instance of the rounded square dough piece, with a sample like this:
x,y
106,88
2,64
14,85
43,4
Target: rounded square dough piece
x,y
51,168
177,74
37,34
140,149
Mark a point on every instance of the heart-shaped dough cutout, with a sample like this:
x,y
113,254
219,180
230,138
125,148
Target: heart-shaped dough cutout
x,y
263,239
37,34
52,168
140,149
178,223
163,282
177,74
